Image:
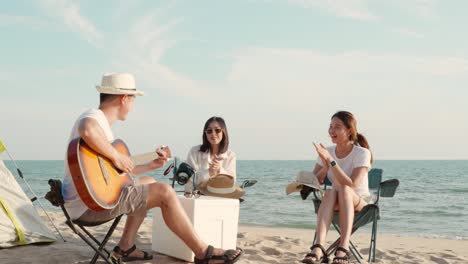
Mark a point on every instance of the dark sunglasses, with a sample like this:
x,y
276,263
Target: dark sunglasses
x,y
216,130
195,194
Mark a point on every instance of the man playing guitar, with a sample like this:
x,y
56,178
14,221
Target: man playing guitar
x,y
93,127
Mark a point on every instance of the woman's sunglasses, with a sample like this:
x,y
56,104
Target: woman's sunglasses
x,y
216,130
195,194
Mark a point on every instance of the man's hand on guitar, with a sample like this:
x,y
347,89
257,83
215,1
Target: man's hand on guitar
x,y
123,163
164,154
164,151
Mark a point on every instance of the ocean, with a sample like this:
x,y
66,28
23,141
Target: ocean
x,y
431,201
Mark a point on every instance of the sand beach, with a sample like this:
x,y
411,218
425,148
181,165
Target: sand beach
x,y
260,245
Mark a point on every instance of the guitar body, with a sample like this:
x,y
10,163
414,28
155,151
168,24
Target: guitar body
x,y
97,181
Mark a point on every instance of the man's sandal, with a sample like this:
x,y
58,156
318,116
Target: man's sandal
x,y
227,257
341,260
308,258
125,254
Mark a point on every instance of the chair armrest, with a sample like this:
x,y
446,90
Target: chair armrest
x,y
388,188
306,190
368,214
54,196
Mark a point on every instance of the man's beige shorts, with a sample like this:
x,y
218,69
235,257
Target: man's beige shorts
x,y
131,202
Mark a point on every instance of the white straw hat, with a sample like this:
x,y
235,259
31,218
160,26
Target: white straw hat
x,y
118,83
306,178
222,185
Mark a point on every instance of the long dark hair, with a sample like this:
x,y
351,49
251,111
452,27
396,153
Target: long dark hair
x,y
224,144
350,123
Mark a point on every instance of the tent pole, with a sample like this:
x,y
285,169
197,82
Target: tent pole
x,y
35,196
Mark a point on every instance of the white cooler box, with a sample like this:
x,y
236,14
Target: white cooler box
x,y
215,220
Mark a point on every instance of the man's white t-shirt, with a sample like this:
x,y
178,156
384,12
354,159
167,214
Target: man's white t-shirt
x,y
73,203
359,157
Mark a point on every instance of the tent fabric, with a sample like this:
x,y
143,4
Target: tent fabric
x,y
18,227
19,220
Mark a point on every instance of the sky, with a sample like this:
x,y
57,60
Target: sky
x,y
275,70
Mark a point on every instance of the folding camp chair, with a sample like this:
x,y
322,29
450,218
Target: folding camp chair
x,y
369,214
56,198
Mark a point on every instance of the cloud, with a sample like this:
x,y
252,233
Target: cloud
x,y
69,13
400,99
142,48
306,80
422,8
312,62
29,21
368,10
355,9
407,32
441,66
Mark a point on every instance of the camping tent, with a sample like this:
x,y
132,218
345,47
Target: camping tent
x,y
19,222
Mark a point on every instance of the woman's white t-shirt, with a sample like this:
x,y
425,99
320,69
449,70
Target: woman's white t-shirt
x,y
359,157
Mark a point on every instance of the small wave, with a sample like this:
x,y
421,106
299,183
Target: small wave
x,y
443,236
433,213
434,236
289,225
458,190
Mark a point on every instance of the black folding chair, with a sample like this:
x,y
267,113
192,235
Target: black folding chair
x,y
55,197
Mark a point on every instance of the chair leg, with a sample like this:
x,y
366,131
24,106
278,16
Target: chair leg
x,y
104,241
333,245
352,248
373,243
101,249
355,252
98,250
315,237
104,257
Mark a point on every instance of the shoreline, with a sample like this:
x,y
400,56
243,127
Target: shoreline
x,y
361,230
260,245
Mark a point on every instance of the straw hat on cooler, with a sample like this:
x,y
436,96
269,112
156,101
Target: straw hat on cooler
x,y
118,83
222,185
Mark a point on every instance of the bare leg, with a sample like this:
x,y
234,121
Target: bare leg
x,y
345,197
348,202
132,225
325,215
146,180
324,218
127,240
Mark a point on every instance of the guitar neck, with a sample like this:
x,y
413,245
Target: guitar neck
x,y
144,158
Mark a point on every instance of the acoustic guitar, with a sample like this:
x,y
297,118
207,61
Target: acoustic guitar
x,y
98,182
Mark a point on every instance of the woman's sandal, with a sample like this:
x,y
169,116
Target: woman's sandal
x,y
125,254
341,260
308,258
227,257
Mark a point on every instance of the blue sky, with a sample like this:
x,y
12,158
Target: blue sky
x,y
276,70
